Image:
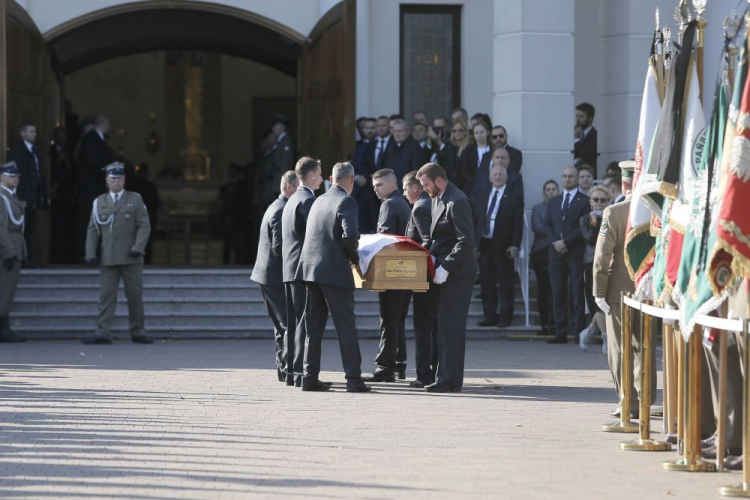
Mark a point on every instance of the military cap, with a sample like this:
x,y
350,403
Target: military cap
x,y
280,119
115,169
627,168
10,169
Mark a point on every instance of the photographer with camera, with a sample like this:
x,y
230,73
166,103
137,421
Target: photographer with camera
x,y
443,152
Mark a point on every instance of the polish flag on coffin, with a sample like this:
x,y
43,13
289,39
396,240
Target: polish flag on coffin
x,y
371,244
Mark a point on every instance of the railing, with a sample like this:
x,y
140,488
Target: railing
x,y
522,263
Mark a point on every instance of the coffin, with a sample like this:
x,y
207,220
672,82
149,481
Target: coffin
x,y
398,266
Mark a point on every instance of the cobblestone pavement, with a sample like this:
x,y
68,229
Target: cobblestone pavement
x,y
207,419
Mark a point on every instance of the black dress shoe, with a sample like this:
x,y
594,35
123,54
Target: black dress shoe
x,y
298,381
95,339
417,383
290,379
381,376
401,372
9,337
281,374
487,322
558,340
357,386
142,339
503,324
733,462
441,387
708,441
314,385
709,452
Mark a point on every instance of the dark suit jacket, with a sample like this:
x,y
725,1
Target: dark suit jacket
x,y
418,227
468,173
62,175
370,166
482,184
446,158
452,234
94,155
282,160
293,228
585,149
331,242
394,214
31,186
508,230
516,158
404,158
358,162
567,229
267,270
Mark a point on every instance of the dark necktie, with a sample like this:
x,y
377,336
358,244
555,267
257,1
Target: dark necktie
x,y
490,213
566,205
117,198
379,151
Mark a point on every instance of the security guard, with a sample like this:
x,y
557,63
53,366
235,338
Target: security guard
x,y
12,247
119,220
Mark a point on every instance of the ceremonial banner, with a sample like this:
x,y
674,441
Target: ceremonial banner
x,y
692,292
639,244
730,258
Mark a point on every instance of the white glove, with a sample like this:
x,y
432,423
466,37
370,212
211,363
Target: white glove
x,y
440,276
602,303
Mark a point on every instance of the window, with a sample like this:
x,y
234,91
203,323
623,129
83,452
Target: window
x,y
430,59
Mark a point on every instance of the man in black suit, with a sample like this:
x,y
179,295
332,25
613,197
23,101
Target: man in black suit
x,y
419,134
500,136
32,190
566,254
425,333
267,272
500,157
452,245
293,231
328,254
394,304
94,155
375,156
282,152
584,136
405,155
363,177
499,232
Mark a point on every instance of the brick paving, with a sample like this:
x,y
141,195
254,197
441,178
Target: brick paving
x,y
207,419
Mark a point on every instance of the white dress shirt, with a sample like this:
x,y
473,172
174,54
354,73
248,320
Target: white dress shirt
x,y
11,191
116,196
500,192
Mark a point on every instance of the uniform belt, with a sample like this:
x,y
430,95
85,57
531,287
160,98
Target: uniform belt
x,y
15,230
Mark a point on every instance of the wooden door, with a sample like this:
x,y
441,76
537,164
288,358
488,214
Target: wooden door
x,y
327,79
28,90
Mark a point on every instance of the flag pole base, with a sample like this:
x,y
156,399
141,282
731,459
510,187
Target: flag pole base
x,y
622,427
736,490
645,445
684,465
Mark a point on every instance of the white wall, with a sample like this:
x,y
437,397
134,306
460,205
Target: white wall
x,y
383,55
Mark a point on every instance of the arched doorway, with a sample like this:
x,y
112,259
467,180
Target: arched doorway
x,y
204,50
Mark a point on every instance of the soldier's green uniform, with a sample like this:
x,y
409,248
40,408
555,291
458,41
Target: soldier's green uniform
x,y
12,250
119,221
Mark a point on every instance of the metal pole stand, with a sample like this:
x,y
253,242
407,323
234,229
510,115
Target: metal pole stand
x,y
691,460
743,489
644,442
670,381
626,378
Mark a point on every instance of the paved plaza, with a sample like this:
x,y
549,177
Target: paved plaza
x,y
207,419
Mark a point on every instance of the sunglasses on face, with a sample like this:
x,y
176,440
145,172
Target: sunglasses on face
x,y
599,200
498,136
458,130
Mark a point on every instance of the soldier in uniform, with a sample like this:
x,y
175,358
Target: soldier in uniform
x,y
119,220
12,247
611,277
267,270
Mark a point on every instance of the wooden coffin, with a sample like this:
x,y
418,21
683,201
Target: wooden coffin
x,y
398,266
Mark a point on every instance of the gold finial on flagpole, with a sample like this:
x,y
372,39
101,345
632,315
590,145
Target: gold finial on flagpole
x,y
700,7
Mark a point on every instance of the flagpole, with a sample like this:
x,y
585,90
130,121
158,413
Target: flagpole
x,y
700,7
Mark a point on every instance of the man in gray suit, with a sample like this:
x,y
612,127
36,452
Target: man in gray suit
x,y
425,331
267,269
293,224
394,304
328,254
452,246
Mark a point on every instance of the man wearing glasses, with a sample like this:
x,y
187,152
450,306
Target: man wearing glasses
x,y
500,136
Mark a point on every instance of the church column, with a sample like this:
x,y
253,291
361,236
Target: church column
x,y
533,85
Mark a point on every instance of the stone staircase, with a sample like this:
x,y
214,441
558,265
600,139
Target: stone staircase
x,y
62,303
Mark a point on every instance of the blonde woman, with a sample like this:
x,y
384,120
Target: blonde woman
x,y
460,140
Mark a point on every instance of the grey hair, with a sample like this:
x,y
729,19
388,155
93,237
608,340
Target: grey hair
x,y
289,177
342,171
399,121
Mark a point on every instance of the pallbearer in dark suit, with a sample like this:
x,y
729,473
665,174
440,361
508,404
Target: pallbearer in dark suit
x,y
12,247
32,188
499,232
394,304
566,254
328,254
267,271
452,245
293,227
425,333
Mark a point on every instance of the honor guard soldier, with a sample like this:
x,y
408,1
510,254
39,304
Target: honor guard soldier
x,y
12,247
119,220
